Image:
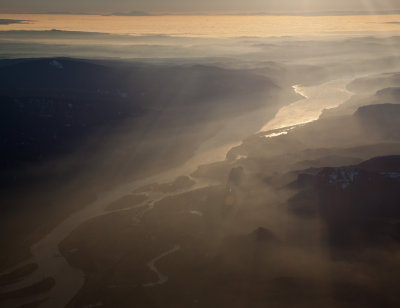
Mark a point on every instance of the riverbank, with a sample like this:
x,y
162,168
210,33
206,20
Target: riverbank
x,y
69,280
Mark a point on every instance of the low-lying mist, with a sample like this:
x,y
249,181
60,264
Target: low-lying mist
x,y
157,171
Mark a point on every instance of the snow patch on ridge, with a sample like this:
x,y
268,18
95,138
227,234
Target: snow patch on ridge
x,y
343,176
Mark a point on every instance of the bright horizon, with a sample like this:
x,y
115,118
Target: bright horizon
x,y
208,26
134,13
191,7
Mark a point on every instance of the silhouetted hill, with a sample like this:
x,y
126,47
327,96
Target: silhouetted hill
x,y
55,74
370,90
143,82
46,103
382,164
382,120
374,83
358,203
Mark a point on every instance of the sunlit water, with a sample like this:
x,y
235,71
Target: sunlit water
x,y
315,100
69,280
328,95
211,26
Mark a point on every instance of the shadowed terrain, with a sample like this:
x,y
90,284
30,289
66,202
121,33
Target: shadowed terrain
x,y
175,182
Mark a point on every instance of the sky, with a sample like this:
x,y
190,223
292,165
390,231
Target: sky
x,y
196,6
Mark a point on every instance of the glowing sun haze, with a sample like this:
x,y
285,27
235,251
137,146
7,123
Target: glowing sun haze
x,y
203,6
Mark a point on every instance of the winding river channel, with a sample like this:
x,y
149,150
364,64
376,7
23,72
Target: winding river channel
x,y
69,280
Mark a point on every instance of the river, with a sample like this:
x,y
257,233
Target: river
x,y
69,280
316,98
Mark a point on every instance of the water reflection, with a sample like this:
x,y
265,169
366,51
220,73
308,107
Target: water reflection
x,y
308,109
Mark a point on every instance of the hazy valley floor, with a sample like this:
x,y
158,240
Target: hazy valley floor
x,y
228,183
